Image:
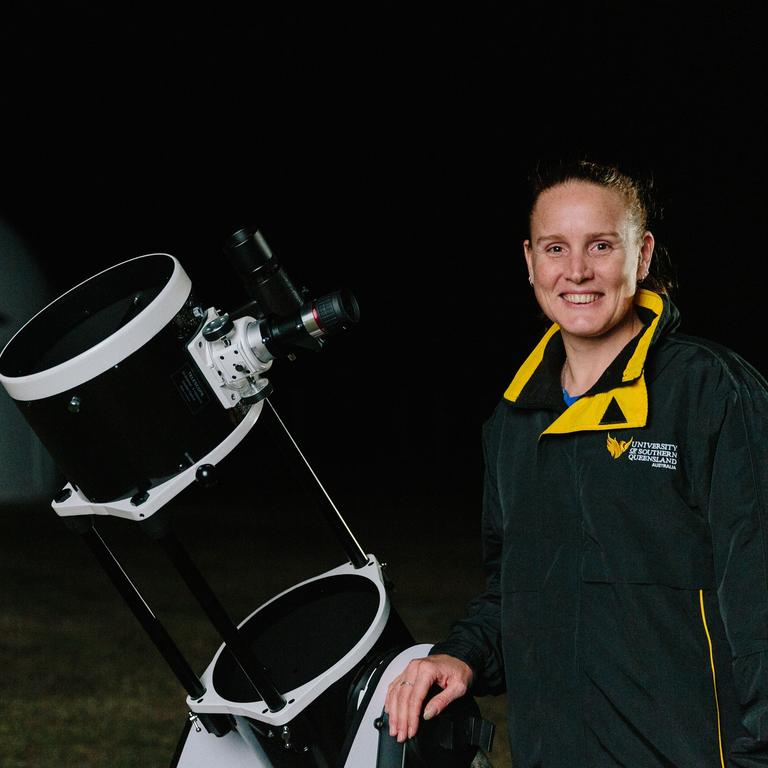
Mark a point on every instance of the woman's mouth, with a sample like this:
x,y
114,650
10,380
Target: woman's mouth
x,y
580,298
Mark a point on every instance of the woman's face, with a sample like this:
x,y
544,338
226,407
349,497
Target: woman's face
x,y
586,256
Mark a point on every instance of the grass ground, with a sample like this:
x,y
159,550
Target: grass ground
x,y
84,687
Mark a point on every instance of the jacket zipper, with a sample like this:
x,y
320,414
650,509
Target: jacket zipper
x,y
714,677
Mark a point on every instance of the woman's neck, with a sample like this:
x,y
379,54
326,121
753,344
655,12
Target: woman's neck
x,y
587,358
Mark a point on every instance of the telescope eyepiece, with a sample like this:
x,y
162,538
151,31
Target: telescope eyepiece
x,y
287,320
336,311
316,319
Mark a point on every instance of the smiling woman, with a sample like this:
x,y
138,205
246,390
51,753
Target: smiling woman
x,y
626,598
589,249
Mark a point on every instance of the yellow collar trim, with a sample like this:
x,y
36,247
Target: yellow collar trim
x,y
634,367
588,413
530,365
652,301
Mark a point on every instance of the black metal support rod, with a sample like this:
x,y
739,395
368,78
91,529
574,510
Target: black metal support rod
x,y
255,672
157,633
354,551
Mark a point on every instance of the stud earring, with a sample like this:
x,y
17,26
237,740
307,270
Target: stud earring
x,y
530,279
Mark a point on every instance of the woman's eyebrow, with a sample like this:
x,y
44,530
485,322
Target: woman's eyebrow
x,y
589,236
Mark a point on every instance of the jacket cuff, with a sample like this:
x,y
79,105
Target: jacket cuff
x,y
471,656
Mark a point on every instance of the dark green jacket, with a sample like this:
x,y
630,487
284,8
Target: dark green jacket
x,y
626,611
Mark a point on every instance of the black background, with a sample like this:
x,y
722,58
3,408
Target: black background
x,y
383,147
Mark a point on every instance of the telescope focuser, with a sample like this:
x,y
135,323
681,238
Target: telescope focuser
x,y
234,351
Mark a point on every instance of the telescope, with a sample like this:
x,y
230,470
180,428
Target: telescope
x,y
138,389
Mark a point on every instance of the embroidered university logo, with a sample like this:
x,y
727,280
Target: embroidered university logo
x,y
617,447
659,455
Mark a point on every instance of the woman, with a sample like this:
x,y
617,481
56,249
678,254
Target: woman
x,y
626,610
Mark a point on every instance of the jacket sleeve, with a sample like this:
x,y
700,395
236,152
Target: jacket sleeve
x,y
738,517
476,638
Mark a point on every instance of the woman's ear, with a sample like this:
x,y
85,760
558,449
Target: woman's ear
x,y
646,254
528,259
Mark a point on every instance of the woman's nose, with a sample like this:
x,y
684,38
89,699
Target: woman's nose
x,y
578,268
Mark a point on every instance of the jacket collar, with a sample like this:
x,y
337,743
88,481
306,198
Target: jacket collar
x,y
619,399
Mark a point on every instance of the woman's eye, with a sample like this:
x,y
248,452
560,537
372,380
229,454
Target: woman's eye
x,y
602,247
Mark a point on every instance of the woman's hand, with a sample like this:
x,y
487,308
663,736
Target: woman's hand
x,y
406,693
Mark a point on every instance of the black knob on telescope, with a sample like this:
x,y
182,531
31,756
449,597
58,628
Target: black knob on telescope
x,y
206,475
218,328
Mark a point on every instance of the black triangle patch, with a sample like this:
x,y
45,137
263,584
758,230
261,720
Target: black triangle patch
x,y
613,414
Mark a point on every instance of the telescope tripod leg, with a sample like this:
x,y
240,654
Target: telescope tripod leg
x,y
83,525
255,672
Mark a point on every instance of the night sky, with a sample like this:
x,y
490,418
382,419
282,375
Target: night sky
x,y
382,148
